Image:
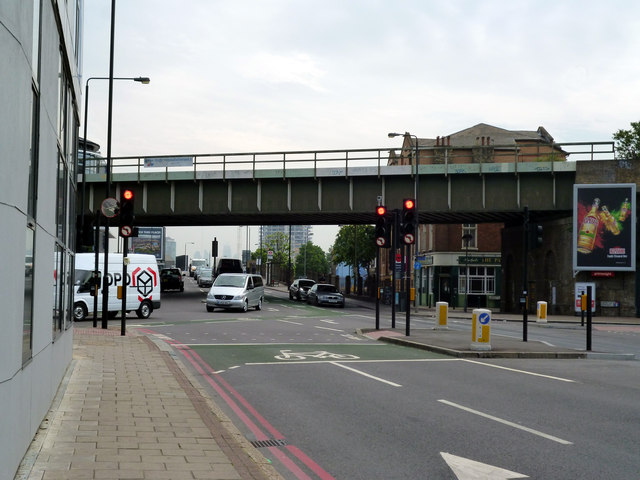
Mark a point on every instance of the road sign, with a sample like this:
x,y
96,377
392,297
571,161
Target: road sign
x,y
484,318
270,255
126,231
417,266
109,207
380,241
409,238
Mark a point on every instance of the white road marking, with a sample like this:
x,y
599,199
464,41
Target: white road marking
x,y
466,469
560,379
507,422
366,374
327,328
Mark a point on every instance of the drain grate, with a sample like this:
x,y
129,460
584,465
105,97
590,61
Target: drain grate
x,y
273,442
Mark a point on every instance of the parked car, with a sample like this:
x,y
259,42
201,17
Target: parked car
x,y
171,279
236,290
205,277
325,294
300,288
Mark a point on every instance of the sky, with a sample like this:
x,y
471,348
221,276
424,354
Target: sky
x,y
281,75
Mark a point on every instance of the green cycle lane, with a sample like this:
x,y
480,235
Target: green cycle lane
x,y
225,356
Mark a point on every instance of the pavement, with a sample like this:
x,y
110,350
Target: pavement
x,y
126,409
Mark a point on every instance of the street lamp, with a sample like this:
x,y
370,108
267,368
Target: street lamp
x,y
466,238
185,247
143,80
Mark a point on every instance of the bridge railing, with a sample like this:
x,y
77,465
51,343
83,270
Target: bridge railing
x,y
340,162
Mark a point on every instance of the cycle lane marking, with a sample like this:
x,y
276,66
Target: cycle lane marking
x,y
360,372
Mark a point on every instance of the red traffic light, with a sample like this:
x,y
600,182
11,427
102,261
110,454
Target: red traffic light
x,y
127,194
409,204
381,211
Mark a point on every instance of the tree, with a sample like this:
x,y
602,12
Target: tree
x,y
311,260
355,246
278,243
628,142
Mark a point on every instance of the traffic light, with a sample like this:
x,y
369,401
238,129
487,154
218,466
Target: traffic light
x,y
408,222
126,208
383,229
535,235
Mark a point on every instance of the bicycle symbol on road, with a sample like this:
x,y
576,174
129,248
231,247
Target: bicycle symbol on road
x,y
321,354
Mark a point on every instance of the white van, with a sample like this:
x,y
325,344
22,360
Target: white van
x,y
236,290
143,284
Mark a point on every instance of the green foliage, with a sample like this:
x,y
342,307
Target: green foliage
x,y
311,261
276,242
628,142
355,246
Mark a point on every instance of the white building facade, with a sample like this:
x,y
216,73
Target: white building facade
x,y
39,95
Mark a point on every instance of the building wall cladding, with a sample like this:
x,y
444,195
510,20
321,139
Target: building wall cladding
x,y
28,386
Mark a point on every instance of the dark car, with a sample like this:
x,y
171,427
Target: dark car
x,y
171,279
205,277
299,288
325,294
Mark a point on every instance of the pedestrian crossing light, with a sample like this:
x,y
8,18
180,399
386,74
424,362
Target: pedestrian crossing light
x,y
383,228
409,221
535,235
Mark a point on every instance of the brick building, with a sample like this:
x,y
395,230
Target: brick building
x,y
447,252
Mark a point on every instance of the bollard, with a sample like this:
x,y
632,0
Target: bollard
x,y
542,312
442,315
481,329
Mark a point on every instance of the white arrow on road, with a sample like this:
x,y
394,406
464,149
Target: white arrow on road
x,y
466,469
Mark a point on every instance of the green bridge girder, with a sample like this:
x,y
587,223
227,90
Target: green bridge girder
x,y
342,194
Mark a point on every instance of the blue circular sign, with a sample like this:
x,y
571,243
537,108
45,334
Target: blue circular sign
x,y
484,318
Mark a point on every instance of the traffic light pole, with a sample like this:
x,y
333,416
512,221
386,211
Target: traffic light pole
x,y
407,249
378,288
125,252
394,249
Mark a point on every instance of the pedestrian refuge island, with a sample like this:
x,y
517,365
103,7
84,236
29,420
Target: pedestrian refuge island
x,y
442,315
481,329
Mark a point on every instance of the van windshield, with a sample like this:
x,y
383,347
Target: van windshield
x,y
230,281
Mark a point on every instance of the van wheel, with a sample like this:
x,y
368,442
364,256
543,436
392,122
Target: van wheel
x,y
144,310
259,305
79,312
209,308
245,306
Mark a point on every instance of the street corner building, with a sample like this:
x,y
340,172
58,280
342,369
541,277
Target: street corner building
x,y
40,94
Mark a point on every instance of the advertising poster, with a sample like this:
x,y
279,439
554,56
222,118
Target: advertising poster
x,y
604,227
150,240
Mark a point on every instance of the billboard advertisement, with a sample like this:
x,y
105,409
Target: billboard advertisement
x,y
150,240
604,228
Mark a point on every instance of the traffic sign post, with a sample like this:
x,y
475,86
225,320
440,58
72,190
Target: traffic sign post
x,y
481,329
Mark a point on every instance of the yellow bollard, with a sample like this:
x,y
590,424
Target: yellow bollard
x,y
442,315
481,329
542,312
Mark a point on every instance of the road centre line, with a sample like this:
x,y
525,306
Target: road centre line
x,y
366,374
506,422
289,321
327,328
560,379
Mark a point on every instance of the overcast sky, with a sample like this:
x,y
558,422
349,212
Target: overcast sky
x,y
275,75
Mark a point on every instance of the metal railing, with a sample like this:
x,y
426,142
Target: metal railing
x,y
340,162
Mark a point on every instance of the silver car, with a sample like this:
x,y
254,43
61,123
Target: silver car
x,y
325,294
236,290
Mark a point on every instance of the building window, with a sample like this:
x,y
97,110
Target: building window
x,y
33,156
482,280
27,320
470,229
35,46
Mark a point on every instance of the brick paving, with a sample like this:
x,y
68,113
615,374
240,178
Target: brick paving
x,y
126,410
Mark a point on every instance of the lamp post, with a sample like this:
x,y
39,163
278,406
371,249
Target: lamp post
x,y
143,80
416,191
466,238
